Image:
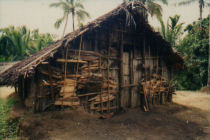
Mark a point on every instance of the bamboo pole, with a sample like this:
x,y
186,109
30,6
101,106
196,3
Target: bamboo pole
x,y
23,88
51,86
145,96
66,57
149,70
101,88
108,51
80,46
131,78
121,78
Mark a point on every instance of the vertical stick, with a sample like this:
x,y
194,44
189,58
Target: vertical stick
x,y
89,69
121,70
101,88
51,86
108,51
100,64
80,47
145,96
63,56
157,60
131,75
66,64
149,68
23,88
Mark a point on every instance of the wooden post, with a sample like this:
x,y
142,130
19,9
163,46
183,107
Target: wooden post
x,y
63,56
80,47
23,88
157,60
131,75
100,70
65,71
108,89
150,73
145,96
51,86
121,69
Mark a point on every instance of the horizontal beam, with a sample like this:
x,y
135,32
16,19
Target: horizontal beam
x,y
70,61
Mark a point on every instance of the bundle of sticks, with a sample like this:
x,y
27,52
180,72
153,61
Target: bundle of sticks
x,y
100,102
91,66
90,83
156,87
68,95
95,82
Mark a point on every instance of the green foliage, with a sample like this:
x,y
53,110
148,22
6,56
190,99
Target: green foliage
x,y
19,43
8,127
194,49
172,30
154,9
73,7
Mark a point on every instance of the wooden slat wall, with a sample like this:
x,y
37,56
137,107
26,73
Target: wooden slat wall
x,y
135,98
126,81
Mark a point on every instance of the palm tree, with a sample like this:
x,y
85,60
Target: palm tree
x,y
15,43
209,69
172,30
209,60
39,41
154,9
73,7
202,3
18,43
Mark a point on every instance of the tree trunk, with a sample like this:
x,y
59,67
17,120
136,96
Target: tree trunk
x,y
65,25
209,69
201,12
73,20
209,61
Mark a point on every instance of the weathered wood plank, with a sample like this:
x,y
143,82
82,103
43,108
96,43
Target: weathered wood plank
x,y
70,61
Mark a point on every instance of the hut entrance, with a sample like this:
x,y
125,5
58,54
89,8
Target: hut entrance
x,y
128,98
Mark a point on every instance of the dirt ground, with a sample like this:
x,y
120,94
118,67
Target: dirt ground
x,y
187,118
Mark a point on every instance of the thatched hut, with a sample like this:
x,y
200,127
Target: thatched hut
x,y
113,62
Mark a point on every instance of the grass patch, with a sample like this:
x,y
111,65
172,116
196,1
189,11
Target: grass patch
x,y
8,127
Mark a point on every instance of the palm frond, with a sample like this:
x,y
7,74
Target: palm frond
x,y
186,2
71,2
207,4
154,9
82,14
163,29
57,4
174,20
164,1
202,3
59,22
79,5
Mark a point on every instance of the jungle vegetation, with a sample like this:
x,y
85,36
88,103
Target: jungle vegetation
x,y
17,43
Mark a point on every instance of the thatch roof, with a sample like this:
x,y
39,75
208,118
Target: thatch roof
x,y
28,65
